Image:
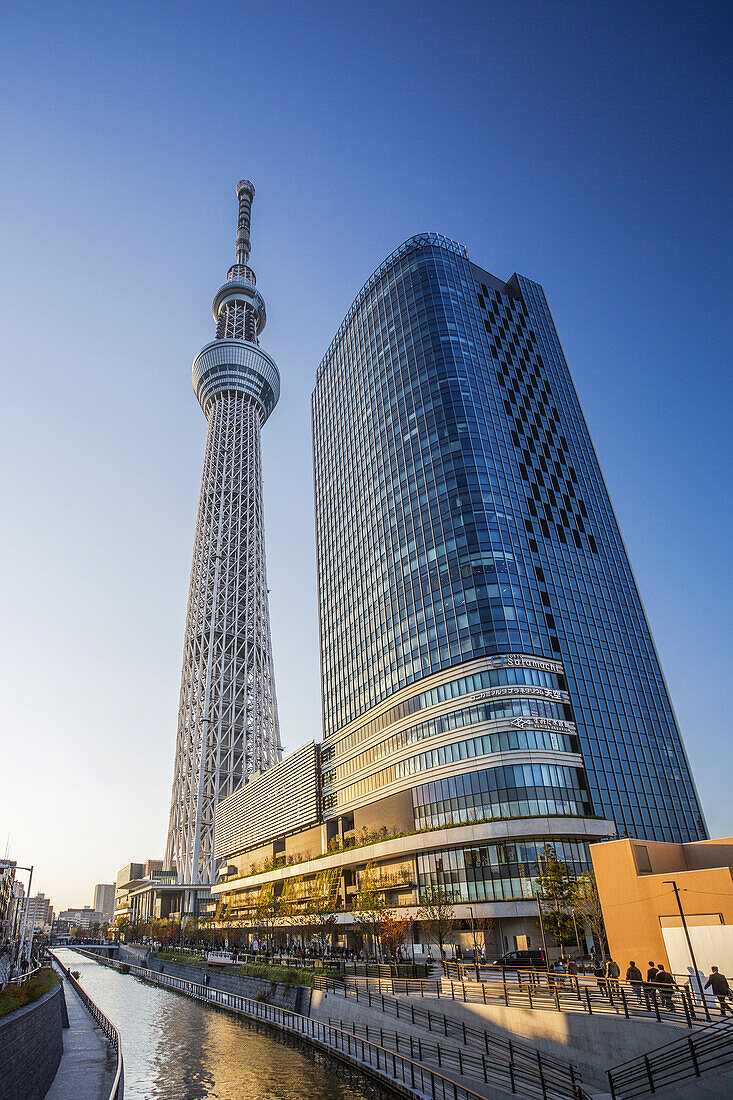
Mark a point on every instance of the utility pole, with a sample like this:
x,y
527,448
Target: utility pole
x,y
25,911
673,884
542,930
575,926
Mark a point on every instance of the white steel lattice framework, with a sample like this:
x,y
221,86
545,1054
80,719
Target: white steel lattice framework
x,y
227,723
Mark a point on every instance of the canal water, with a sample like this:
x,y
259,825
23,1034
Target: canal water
x,y
178,1049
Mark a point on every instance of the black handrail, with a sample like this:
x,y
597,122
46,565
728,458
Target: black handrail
x,y
682,1059
561,994
522,1057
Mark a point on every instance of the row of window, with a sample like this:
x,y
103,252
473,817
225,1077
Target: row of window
x,y
497,872
505,741
464,685
519,790
435,758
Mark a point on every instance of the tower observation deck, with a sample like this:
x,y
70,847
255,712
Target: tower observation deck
x,y
227,723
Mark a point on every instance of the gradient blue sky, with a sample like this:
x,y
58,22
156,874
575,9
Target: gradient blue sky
x,y
585,145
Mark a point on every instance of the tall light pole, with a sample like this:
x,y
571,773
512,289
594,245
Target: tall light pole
x,y
542,932
673,884
25,909
475,946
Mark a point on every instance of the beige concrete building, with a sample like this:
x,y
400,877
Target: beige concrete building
x,y
640,909
104,900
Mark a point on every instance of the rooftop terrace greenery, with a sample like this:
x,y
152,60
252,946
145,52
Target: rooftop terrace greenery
x,y
377,836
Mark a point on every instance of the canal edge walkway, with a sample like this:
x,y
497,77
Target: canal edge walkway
x,y
84,1070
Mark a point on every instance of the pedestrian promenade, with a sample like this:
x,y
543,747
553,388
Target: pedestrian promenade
x,y
83,1073
538,990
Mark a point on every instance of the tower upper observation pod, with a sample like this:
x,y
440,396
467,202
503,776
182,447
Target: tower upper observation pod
x,y
234,359
227,726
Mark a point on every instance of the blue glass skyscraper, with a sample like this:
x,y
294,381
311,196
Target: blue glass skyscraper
x,y
472,576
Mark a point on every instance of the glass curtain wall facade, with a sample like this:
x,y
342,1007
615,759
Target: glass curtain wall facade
x,y
472,573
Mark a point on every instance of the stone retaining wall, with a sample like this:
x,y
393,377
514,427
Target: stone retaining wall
x,y
296,998
31,1048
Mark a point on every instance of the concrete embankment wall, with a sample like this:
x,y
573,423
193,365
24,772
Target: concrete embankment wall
x,y
295,998
31,1048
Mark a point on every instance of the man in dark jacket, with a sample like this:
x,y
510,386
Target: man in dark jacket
x,y
718,983
613,973
633,975
665,982
650,989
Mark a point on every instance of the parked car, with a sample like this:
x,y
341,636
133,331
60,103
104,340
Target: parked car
x,y
521,960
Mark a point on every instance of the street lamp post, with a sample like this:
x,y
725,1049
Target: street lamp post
x,y
473,937
542,932
673,884
575,926
25,911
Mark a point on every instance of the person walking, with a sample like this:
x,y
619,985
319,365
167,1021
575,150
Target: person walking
x,y
633,975
557,975
665,980
599,973
613,973
718,983
650,989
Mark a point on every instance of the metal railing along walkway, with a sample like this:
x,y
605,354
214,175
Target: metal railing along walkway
x,y
19,979
515,1066
538,990
109,1029
388,1065
681,1060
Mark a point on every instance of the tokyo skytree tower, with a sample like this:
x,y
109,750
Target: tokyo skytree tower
x,y
227,722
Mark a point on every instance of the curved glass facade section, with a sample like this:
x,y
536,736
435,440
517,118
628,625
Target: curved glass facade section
x,y
517,790
461,514
453,689
497,872
451,754
505,741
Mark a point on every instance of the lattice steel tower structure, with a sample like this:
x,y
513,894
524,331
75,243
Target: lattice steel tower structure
x,y
227,723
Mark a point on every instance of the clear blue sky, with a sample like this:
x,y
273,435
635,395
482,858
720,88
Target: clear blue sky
x,y
585,145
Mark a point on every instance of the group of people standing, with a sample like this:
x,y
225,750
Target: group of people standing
x,y
658,983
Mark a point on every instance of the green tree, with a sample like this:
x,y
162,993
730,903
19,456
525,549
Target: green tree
x,y
121,928
393,931
437,914
586,902
369,910
268,915
556,891
320,914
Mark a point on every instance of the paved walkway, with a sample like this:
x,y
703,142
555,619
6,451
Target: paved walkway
x,y
82,1072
